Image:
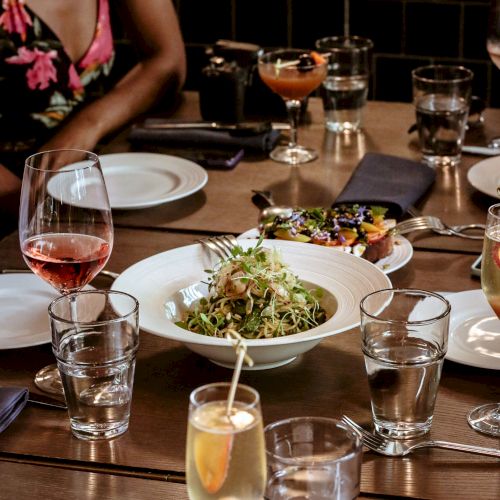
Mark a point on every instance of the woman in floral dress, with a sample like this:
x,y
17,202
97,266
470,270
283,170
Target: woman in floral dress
x,y
56,56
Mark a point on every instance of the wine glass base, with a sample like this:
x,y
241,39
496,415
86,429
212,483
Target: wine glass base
x,y
295,155
486,419
48,380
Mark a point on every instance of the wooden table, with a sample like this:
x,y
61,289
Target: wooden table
x,y
148,461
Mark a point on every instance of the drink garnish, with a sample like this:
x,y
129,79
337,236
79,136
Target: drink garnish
x,y
305,62
240,347
212,453
495,252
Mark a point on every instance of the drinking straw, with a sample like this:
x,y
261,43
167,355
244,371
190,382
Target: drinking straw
x,y
240,347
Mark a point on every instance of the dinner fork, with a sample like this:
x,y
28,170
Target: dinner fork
x,y
423,222
222,245
457,230
398,448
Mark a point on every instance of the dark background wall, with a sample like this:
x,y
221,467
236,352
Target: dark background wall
x,y
406,34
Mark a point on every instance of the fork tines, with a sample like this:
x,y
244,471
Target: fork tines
x,y
222,245
369,440
419,223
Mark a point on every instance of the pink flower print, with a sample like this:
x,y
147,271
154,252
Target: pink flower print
x,y
101,49
42,71
15,18
75,84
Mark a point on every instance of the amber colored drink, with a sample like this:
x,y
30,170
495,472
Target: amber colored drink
x,y
65,260
290,82
225,454
490,268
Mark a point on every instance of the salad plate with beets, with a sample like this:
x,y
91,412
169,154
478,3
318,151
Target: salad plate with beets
x,y
361,230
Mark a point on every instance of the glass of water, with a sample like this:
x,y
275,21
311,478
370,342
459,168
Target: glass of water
x,y
442,98
345,89
404,337
312,457
95,337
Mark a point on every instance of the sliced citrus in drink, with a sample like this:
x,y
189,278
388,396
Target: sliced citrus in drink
x,y
212,453
495,251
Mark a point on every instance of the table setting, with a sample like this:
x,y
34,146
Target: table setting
x,y
160,388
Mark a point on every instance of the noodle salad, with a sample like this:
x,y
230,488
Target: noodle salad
x,y
256,295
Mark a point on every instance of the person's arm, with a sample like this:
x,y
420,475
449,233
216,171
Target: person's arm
x,y
162,69
10,187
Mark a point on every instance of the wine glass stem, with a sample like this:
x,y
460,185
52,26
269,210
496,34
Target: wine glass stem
x,y
73,309
293,107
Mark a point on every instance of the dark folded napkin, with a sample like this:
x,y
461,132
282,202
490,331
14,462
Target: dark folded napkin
x,y
202,138
12,401
389,181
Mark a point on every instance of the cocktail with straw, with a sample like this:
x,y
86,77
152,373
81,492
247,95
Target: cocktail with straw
x,y
225,452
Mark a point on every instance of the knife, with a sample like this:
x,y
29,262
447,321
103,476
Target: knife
x,y
243,128
40,399
481,150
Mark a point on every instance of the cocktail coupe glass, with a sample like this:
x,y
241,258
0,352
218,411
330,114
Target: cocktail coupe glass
x,y
225,452
293,74
486,418
65,226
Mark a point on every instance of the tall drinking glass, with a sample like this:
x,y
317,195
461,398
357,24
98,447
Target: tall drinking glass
x,y
442,99
65,226
345,89
486,418
225,454
292,74
404,338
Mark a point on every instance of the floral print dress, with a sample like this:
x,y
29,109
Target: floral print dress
x,y
39,84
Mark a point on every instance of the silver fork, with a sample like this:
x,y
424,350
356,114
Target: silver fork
x,y
424,222
458,230
397,448
222,245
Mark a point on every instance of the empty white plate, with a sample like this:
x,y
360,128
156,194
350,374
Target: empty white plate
x,y
485,176
474,331
142,180
24,302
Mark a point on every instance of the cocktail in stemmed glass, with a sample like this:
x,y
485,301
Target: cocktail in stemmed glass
x,y
486,418
293,74
65,226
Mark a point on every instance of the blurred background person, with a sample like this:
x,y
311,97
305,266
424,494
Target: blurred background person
x,y
56,81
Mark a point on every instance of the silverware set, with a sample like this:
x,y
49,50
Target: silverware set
x,y
399,448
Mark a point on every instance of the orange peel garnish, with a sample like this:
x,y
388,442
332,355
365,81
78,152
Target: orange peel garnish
x,y
212,453
318,58
495,252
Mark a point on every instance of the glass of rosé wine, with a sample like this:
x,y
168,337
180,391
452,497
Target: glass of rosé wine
x,y
486,418
293,74
65,226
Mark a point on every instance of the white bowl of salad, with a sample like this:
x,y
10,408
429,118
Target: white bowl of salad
x,y
283,298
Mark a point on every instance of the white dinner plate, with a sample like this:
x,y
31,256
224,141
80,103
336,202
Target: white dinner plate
x,y
24,302
142,180
485,176
474,331
165,282
400,256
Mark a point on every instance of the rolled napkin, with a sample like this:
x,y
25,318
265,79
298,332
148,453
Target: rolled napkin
x,y
12,401
388,181
203,138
